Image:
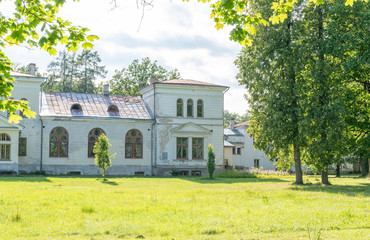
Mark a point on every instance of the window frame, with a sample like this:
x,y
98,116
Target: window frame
x,y
199,148
190,106
200,104
181,104
133,144
6,144
258,163
92,134
59,142
182,145
19,147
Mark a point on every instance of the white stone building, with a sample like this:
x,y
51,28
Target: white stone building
x,y
244,155
166,130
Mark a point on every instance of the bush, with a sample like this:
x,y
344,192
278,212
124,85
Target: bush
x,y
211,165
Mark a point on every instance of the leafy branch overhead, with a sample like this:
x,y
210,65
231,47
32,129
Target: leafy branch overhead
x,y
244,17
35,24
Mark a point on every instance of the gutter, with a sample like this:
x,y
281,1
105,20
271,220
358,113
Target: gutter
x,y
155,134
42,126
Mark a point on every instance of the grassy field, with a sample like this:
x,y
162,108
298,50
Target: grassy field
x,y
183,208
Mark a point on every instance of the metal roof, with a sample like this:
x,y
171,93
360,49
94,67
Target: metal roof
x,y
93,105
246,123
232,132
228,144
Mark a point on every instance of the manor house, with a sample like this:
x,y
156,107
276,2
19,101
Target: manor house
x,y
164,131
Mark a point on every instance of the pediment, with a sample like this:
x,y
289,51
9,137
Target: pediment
x,y
191,128
5,124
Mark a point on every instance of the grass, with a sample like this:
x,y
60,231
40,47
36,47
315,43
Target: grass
x,y
183,208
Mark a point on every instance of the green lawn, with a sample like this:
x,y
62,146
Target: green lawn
x,y
183,208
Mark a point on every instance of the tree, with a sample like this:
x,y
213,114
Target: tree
x,y
270,71
238,118
136,76
102,155
211,165
71,73
37,25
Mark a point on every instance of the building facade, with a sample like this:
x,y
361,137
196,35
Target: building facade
x,y
166,130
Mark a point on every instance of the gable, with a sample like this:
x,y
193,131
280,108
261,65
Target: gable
x,y
191,128
4,124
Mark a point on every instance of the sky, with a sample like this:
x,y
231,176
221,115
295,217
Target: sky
x,y
175,33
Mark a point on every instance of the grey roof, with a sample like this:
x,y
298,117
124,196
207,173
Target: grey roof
x,y
232,132
18,74
93,105
228,144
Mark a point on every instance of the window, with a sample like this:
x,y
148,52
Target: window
x,y
76,109
22,148
184,173
197,148
113,110
21,112
134,144
238,151
58,142
200,108
189,109
4,147
94,134
182,148
179,108
196,173
256,163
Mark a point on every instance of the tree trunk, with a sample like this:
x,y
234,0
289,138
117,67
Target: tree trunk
x,y
362,166
338,170
368,174
325,176
297,164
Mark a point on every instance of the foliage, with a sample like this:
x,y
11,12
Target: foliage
x,y
235,174
136,76
238,118
71,73
102,155
211,164
245,18
171,208
34,24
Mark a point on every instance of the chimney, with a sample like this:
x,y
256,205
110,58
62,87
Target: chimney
x,y
32,69
153,80
232,123
106,89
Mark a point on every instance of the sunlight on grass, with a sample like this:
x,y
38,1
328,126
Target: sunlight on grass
x,y
183,208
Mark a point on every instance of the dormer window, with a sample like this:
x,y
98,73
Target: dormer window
x,y
76,109
113,110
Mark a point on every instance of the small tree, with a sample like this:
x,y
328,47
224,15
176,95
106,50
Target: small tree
x,y
211,161
102,155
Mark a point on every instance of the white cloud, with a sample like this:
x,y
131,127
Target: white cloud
x,y
178,34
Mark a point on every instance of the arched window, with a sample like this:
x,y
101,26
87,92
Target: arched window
x,y
92,139
4,147
179,108
21,112
58,142
134,144
200,108
189,109
113,110
76,109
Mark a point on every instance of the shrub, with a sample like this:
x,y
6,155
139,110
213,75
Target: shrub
x,y
211,165
102,155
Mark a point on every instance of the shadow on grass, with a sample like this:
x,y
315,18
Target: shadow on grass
x,y
232,180
24,179
109,182
362,189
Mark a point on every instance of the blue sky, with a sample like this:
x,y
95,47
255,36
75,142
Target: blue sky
x,y
177,34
